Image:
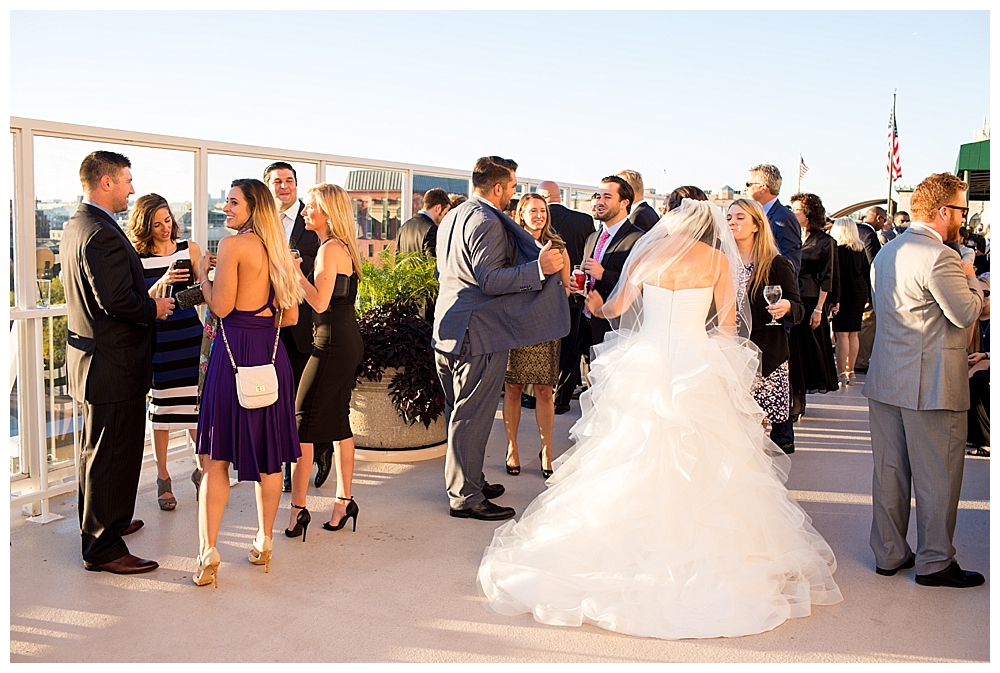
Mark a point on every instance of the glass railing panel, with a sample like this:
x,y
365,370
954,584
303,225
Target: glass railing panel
x,y
59,407
377,200
422,182
224,168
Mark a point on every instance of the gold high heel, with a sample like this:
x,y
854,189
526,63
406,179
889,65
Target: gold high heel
x,y
208,568
261,555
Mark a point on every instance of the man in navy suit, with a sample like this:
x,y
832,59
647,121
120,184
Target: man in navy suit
x,y
763,186
641,214
109,357
574,228
498,290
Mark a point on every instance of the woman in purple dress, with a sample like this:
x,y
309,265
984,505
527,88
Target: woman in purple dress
x,y
255,291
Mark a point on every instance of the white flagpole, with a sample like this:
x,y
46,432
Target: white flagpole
x,y
892,142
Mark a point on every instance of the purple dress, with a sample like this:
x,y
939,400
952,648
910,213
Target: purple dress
x,y
255,441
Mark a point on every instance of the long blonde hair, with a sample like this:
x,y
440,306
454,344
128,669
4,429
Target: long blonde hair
x,y
264,222
336,205
845,232
764,248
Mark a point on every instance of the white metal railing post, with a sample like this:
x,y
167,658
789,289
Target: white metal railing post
x,y
407,196
199,216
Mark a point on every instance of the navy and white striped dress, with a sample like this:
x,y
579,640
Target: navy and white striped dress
x,y
176,347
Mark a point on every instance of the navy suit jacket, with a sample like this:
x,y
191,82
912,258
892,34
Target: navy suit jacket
x,y
307,243
787,234
490,287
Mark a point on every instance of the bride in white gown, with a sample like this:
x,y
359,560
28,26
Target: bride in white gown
x,y
669,516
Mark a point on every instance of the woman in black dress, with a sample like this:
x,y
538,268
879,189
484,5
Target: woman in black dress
x,y
763,265
817,373
855,280
322,405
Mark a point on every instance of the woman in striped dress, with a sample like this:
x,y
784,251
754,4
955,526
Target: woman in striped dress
x,y
177,340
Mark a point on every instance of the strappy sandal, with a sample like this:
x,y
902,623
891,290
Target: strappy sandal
x,y
196,480
163,486
977,451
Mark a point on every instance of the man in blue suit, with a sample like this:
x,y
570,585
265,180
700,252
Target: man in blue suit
x,y
498,290
763,186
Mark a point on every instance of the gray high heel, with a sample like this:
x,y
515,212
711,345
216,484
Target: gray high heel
x,y
163,486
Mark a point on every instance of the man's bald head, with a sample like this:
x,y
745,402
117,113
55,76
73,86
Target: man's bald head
x,y
550,191
876,217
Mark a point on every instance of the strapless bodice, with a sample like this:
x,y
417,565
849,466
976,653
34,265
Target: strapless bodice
x,y
675,314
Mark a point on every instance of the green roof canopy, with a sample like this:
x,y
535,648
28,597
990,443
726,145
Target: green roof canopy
x,y
975,158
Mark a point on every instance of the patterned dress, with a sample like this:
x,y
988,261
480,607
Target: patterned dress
x,y
537,364
176,347
773,391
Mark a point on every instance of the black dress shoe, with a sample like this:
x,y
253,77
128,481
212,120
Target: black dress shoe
x,y
324,462
527,401
787,448
952,576
889,572
126,565
491,491
286,483
133,527
484,511
561,409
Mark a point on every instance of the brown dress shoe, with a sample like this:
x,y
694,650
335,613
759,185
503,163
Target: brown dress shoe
x,y
133,527
126,565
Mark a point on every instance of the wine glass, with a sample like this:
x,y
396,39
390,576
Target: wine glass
x,y
772,295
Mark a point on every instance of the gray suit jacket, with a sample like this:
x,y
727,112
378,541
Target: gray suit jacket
x,y
923,303
490,287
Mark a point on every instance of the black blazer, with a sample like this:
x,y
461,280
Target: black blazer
x,y
773,341
307,243
110,313
615,253
418,234
573,228
817,272
643,216
870,238
787,234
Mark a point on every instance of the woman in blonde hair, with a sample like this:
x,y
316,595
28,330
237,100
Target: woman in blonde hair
x,y
762,265
322,405
855,281
537,364
254,293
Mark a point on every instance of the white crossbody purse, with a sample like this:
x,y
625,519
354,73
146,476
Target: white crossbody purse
x,y
256,387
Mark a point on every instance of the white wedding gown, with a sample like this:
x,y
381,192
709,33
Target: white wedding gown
x,y
669,517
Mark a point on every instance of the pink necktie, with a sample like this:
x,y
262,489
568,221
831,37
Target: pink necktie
x,y
601,242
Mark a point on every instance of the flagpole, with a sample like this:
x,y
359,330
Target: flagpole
x,y
799,188
888,203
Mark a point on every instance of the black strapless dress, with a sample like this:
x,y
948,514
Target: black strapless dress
x,y
323,402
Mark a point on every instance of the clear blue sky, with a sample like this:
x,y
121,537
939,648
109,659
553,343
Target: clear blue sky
x,y
683,97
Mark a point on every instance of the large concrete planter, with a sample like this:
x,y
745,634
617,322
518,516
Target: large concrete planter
x,y
380,435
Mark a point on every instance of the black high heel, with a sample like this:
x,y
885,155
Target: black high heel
x,y
545,473
301,523
512,470
351,513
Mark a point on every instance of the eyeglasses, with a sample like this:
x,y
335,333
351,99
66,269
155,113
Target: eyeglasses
x,y
986,293
961,209
751,184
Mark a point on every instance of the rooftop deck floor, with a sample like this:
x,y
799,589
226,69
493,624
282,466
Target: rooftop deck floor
x,y
403,587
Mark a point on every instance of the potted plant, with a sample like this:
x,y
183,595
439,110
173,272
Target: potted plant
x,y
397,410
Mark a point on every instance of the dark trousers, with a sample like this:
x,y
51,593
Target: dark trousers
x,y
979,409
298,361
569,355
784,433
110,462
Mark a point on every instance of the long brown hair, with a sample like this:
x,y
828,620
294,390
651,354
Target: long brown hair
x,y
764,248
548,233
265,224
336,205
140,222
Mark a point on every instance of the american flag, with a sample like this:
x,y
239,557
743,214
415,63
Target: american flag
x,y
803,169
893,166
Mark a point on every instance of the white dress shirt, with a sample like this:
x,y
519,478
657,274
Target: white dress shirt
x,y
287,218
612,232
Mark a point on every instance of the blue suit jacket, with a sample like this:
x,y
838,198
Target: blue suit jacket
x,y
490,286
787,234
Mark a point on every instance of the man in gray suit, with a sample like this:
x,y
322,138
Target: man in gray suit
x,y
917,387
498,291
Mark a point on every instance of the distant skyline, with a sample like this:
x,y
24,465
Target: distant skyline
x,y
683,97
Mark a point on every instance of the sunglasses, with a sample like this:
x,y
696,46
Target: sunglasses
x,y
961,209
986,293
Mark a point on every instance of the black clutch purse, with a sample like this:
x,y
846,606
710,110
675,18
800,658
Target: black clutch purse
x,y
189,297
